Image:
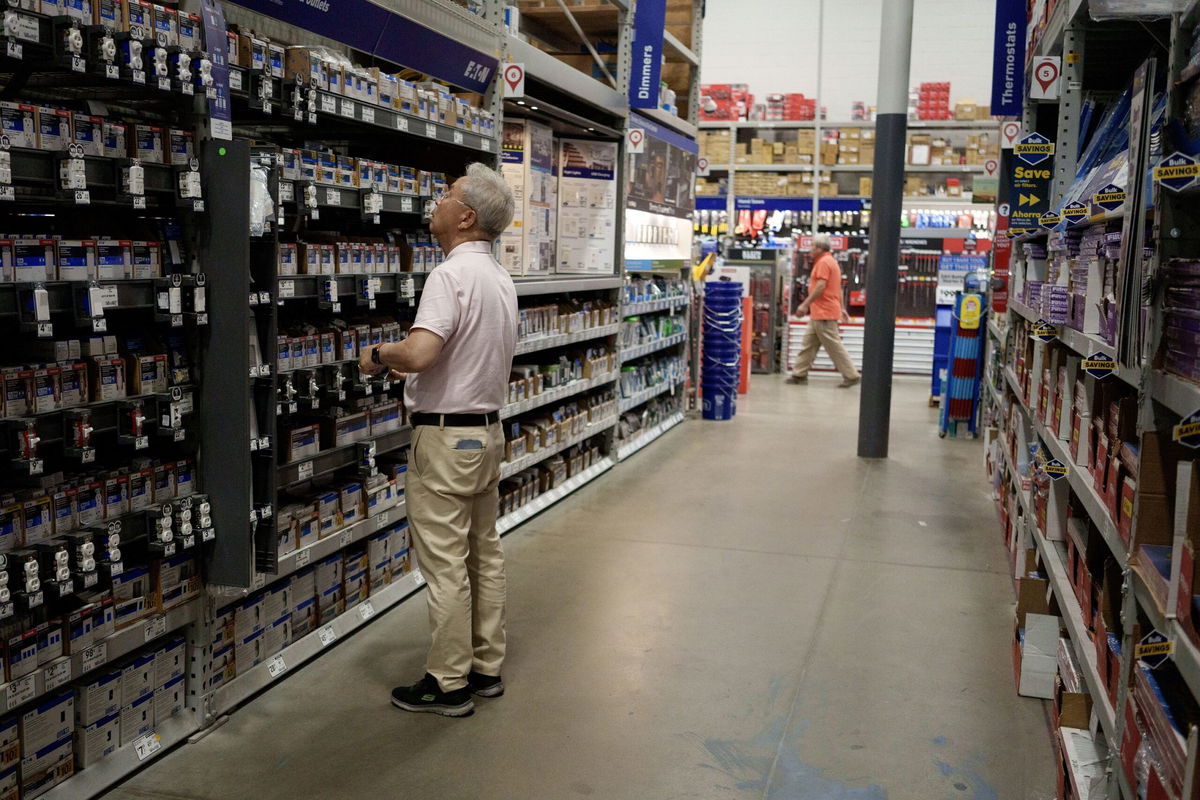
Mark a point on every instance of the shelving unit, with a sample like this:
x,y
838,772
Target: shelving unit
x,y
1124,489
255,481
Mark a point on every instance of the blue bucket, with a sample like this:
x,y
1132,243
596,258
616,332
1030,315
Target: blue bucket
x,y
719,406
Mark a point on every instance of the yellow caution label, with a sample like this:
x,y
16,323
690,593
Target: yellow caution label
x,y
1155,649
1177,171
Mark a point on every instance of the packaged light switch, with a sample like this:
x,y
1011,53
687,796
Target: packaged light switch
x,y
52,719
89,134
191,32
291,164
116,496
54,129
166,25
109,14
275,60
33,260
42,770
305,63
115,143
10,743
287,259
47,390
147,259
139,18
98,696
107,378
131,591
185,485
147,374
98,739
137,719
147,143
182,146
76,260
38,528
169,699
114,259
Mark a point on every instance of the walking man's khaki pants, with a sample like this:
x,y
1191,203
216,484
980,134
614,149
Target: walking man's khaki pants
x,y
823,332
453,498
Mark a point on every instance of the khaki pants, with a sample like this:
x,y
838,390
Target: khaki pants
x,y
823,332
453,499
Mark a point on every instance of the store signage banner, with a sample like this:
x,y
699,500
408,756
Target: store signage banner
x,y
373,29
1008,59
1029,189
649,22
219,115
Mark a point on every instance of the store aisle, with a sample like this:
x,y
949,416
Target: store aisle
x,y
745,610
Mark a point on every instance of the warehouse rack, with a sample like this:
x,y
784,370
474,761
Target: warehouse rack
x,y
1115,563
254,299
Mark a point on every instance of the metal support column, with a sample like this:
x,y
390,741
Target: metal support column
x,y
891,127
819,163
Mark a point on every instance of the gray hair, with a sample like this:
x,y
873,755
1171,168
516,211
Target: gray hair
x,y
484,190
821,241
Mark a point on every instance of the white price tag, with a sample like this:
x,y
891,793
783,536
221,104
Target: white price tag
x,y
155,626
401,124
58,674
164,84
328,104
418,578
94,656
276,666
287,289
139,203
458,137
487,145
147,746
368,115
366,610
333,197
7,193
304,471
235,80
430,130
83,197
14,50
112,72
78,64
303,557
259,580
406,205
344,541
138,76
347,109
187,89
326,636
141,443
22,690
382,520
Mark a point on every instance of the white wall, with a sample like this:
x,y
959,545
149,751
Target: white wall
x,y
771,45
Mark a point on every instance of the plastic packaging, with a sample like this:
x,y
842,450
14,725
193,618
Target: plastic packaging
x,y
262,205
1101,10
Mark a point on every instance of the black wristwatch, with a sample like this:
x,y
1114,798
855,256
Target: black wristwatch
x,y
375,355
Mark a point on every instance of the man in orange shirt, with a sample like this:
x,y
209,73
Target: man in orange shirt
x,y
824,307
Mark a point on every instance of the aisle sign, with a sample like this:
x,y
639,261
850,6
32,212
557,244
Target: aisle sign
x,y
1044,78
637,141
990,167
1110,198
1009,132
1187,432
1044,331
1030,185
514,79
1008,58
1177,172
1099,365
649,22
1074,211
702,167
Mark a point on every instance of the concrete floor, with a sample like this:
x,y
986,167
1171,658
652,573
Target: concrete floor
x,y
744,610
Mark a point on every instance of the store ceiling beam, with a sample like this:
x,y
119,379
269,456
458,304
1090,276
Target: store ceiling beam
x,y
681,49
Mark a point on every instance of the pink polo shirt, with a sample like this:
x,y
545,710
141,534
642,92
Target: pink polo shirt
x,y
471,303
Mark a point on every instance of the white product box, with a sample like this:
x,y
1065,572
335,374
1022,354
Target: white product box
x,y
76,260
137,679
49,721
100,739
19,122
44,769
527,163
10,744
277,636
248,618
98,697
248,652
170,662
169,699
33,260
137,719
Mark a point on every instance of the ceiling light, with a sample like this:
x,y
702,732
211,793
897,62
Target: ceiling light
x,y
520,102
533,108
593,130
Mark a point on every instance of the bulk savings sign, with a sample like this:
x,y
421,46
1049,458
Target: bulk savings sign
x,y
1033,168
